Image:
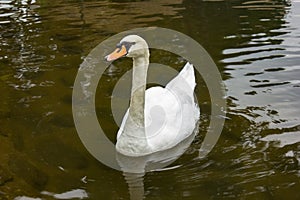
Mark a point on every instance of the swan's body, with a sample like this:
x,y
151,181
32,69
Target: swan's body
x,y
158,118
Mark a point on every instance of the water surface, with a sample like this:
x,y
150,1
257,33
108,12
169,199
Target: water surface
x,y
255,45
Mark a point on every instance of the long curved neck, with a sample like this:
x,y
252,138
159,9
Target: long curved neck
x,y
139,79
133,140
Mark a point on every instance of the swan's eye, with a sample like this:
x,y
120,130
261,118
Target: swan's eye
x,y
119,46
127,45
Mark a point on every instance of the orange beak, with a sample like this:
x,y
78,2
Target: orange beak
x,y
118,53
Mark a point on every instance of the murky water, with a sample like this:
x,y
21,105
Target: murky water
x,y
255,45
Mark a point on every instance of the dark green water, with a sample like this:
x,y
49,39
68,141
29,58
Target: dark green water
x,y
255,45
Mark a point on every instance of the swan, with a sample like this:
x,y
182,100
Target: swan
x,y
157,118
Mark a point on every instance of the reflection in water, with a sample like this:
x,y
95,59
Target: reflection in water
x,y
134,168
73,194
77,193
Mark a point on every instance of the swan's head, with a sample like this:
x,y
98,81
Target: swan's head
x,y
132,46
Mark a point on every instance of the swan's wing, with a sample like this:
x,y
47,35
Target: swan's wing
x,y
168,120
184,82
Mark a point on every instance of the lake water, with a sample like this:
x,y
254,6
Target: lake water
x,y
256,46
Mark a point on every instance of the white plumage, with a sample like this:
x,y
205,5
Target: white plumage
x,y
161,117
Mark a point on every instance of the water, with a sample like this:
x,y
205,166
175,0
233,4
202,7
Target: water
x,y
255,45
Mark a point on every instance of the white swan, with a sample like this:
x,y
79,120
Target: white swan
x,y
157,118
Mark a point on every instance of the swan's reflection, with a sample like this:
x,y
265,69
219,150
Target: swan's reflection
x,y
135,168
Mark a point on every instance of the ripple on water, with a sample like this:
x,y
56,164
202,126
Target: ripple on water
x,y
15,11
283,139
264,64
